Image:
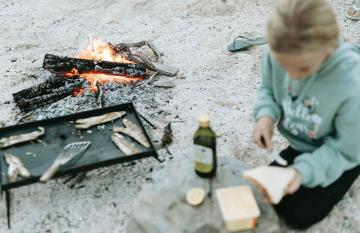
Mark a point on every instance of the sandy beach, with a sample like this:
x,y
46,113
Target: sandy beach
x,y
193,36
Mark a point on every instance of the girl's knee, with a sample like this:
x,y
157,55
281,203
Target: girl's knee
x,y
300,221
300,215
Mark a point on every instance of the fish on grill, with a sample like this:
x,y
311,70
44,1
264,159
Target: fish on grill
x,y
86,123
16,139
124,144
133,131
15,167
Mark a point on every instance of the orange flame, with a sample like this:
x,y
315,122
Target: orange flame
x,y
93,77
78,91
99,50
73,73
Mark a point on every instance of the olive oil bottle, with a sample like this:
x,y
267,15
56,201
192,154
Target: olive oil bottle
x,y
205,149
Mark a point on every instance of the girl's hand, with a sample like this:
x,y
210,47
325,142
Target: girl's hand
x,y
294,184
263,132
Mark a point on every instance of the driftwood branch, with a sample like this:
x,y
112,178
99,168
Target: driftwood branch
x,y
99,95
153,76
141,58
149,43
157,67
147,62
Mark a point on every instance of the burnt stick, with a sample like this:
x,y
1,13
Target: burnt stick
x,y
67,64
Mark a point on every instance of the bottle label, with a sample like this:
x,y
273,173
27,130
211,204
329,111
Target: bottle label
x,y
203,158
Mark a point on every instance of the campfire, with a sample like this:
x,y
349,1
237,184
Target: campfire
x,y
98,64
98,50
74,121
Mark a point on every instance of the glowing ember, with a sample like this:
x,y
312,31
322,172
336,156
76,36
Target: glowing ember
x,y
92,77
78,91
99,50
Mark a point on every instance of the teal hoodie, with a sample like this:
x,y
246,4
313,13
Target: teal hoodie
x,y
319,116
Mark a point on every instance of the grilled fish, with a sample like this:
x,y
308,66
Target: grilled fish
x,y
16,139
124,145
86,123
15,167
133,131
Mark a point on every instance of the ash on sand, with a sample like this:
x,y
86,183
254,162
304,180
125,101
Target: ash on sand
x,y
142,96
193,35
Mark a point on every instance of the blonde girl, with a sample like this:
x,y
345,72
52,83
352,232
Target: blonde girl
x,y
311,90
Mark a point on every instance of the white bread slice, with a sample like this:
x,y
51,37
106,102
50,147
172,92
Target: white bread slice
x,y
273,179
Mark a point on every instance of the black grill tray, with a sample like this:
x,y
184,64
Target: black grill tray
x,y
61,131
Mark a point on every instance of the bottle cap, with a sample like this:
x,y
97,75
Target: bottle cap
x,y
204,120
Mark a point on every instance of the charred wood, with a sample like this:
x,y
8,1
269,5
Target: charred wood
x,y
55,81
50,91
99,95
67,64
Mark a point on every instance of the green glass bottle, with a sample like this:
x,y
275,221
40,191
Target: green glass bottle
x,y
205,149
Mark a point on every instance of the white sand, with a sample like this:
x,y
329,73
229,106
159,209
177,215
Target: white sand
x,y
193,35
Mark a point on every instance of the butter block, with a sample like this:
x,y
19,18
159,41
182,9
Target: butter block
x,y
238,207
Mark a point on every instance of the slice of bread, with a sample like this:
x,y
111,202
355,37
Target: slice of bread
x,y
274,180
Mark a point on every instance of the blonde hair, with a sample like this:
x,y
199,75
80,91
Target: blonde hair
x,y
299,26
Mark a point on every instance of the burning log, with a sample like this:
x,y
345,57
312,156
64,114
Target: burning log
x,y
55,88
55,81
67,64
